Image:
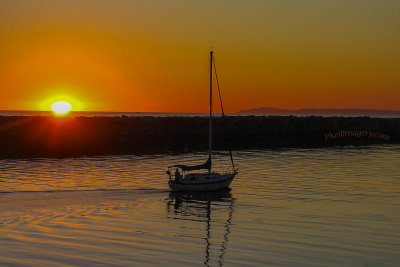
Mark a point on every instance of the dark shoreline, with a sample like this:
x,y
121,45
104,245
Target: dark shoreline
x,y
41,136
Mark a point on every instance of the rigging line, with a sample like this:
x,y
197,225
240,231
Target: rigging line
x,y
220,101
230,155
219,91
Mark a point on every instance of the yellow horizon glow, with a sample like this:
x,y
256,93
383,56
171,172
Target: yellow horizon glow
x,y
47,103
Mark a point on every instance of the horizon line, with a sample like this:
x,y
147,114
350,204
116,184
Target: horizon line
x,y
206,112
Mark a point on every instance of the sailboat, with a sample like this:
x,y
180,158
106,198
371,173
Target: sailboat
x,y
202,177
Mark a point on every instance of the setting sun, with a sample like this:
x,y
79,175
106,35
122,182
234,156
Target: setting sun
x,y
61,107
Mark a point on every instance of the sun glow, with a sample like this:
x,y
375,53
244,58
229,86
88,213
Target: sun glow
x,y
61,107
47,102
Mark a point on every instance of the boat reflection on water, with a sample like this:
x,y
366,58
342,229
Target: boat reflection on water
x,y
214,210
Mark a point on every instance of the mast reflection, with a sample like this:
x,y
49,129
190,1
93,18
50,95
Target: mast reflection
x,y
198,206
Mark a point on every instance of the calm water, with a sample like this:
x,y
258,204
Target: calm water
x,y
102,114
314,207
160,114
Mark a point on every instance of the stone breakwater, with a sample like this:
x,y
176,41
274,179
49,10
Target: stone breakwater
x,y
40,136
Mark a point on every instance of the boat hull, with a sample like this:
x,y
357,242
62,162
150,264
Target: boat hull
x,y
208,182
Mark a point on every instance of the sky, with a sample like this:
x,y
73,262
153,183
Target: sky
x,y
153,56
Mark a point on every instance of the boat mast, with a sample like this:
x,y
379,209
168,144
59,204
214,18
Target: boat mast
x,y
210,125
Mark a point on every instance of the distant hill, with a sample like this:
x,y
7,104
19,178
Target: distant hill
x,y
314,111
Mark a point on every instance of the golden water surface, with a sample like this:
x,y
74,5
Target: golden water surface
x,y
295,207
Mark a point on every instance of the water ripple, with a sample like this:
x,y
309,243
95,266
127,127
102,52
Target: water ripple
x,y
291,207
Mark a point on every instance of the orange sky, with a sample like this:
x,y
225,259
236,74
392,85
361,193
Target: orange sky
x,y
152,56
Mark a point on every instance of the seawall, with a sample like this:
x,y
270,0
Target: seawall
x,y
40,136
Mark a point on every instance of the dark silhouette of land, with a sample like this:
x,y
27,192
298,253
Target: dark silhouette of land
x,y
327,112
41,136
